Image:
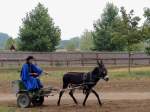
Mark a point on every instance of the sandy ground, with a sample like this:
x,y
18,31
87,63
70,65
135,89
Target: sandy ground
x,y
118,95
80,96
115,85
112,102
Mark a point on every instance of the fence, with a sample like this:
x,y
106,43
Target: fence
x,y
16,59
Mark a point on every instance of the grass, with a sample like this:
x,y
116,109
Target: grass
x,y
6,109
8,75
135,72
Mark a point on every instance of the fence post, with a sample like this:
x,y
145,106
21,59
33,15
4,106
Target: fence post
x,y
132,61
67,62
149,61
2,63
19,63
51,60
96,56
82,59
115,61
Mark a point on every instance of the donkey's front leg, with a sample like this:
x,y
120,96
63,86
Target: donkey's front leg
x,y
87,94
99,101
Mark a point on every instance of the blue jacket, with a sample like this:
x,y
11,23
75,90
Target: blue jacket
x,y
29,81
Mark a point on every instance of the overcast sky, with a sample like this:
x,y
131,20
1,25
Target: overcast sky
x,y
72,16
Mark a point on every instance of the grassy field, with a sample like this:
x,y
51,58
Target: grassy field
x,y
7,75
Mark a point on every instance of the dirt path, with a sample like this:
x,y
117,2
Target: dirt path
x,y
112,102
80,96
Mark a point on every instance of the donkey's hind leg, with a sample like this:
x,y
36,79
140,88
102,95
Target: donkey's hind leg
x,y
99,101
60,95
71,94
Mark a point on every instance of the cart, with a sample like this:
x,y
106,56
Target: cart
x,y
36,97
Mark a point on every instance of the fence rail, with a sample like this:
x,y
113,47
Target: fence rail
x,y
16,59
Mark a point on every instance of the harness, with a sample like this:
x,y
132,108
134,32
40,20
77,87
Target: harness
x,y
85,79
87,82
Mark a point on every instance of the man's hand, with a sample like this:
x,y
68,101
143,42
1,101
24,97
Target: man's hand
x,y
46,73
34,74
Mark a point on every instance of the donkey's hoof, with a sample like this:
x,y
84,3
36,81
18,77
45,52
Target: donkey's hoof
x,y
76,103
100,104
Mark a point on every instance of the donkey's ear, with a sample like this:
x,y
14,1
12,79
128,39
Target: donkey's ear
x,y
101,62
98,63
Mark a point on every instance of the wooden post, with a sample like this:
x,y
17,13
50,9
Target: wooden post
x,y
67,61
96,56
115,61
51,59
82,59
129,62
19,63
2,63
132,59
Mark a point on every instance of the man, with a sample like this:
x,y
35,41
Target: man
x,y
30,73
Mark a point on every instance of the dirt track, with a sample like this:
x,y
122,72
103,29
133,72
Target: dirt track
x,y
118,95
103,96
112,102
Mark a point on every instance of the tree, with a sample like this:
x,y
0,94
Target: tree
x,y
3,39
38,32
130,33
86,42
146,29
10,42
76,41
103,29
70,46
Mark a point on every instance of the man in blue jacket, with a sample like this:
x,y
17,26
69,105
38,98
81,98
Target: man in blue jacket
x,y
30,73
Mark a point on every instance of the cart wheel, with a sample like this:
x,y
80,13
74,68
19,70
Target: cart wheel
x,y
23,100
38,100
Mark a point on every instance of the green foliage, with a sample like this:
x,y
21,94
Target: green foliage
x,y
146,29
74,42
9,43
38,32
62,44
147,14
129,32
70,46
138,47
104,28
120,33
86,42
3,39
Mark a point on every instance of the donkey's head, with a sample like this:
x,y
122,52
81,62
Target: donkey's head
x,y
102,70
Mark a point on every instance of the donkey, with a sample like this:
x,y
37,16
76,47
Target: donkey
x,y
86,80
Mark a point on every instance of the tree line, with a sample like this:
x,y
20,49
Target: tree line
x,y
115,30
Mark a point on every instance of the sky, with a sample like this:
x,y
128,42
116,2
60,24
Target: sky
x,y
72,16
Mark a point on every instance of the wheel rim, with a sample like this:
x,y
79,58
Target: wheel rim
x,y
23,101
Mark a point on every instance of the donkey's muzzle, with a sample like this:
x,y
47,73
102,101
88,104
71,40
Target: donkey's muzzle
x,y
106,78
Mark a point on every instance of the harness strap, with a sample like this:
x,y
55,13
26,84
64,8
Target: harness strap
x,y
84,77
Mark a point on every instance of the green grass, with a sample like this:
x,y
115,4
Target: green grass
x,y
135,74
8,75
7,109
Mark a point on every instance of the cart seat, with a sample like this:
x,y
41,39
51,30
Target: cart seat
x,y
18,85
